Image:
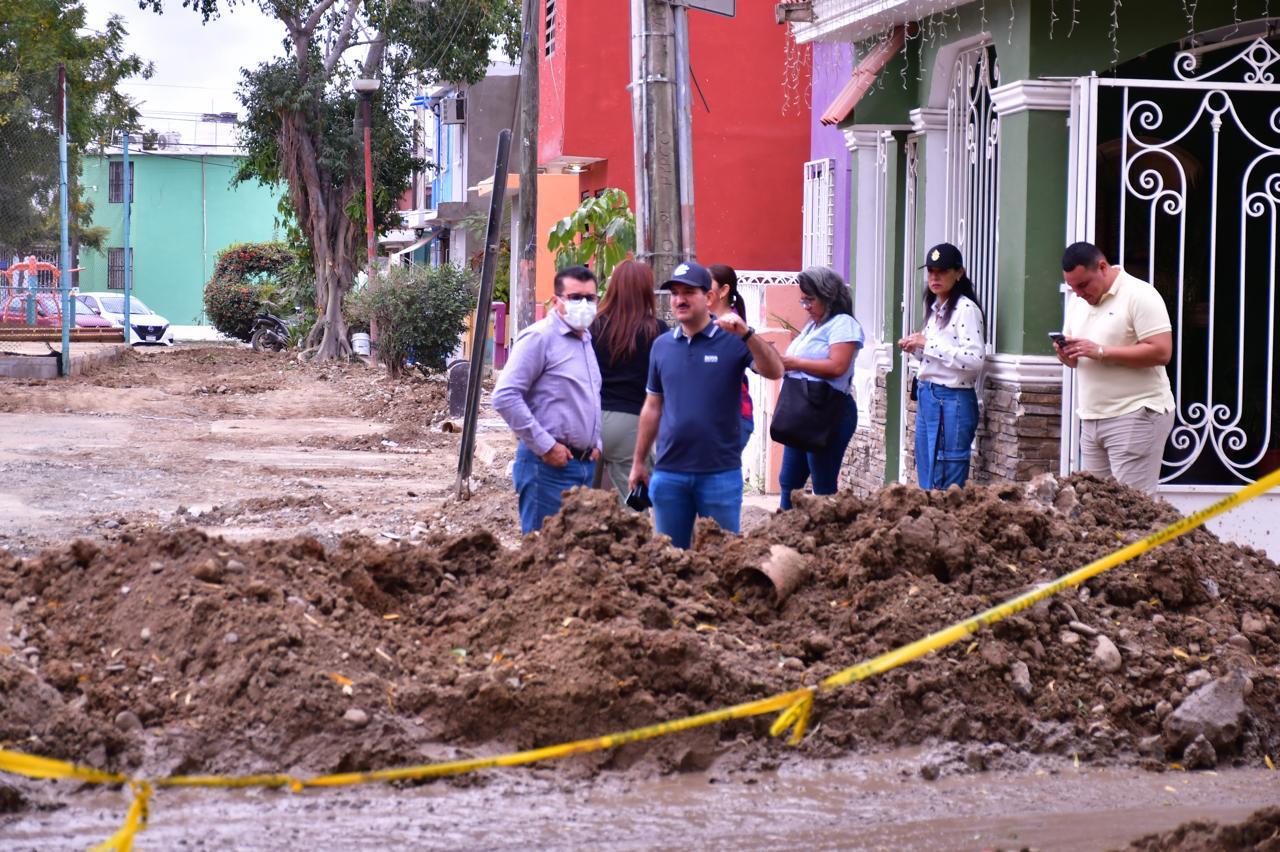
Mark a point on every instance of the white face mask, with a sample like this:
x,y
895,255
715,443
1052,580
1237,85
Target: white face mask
x,y
579,313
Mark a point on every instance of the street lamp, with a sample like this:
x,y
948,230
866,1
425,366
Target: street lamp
x,y
365,87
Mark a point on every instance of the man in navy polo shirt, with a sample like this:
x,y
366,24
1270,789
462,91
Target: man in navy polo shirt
x,y
693,408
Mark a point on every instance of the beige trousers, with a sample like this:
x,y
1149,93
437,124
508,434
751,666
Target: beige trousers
x,y
618,434
1127,448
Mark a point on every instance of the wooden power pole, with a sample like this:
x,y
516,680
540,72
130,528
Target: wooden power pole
x,y
659,239
526,268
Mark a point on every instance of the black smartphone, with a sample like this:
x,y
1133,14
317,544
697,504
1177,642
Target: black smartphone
x,y
1058,338
638,499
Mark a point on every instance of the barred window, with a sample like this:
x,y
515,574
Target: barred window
x,y
115,268
115,187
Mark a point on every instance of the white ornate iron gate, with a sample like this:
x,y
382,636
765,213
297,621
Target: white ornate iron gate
x,y
973,174
1179,181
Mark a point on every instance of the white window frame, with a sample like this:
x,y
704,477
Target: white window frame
x,y
819,217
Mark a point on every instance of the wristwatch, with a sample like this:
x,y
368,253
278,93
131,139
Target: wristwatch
x,y
1101,352
747,336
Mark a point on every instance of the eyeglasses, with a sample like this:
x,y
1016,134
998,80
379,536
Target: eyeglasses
x,y
806,302
580,297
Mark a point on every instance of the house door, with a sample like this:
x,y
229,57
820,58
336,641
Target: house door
x,y
1178,179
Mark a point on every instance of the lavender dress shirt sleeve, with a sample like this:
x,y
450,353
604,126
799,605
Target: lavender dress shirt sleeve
x,y
550,389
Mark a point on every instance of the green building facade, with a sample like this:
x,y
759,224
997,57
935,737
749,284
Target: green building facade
x,y
1151,128
185,210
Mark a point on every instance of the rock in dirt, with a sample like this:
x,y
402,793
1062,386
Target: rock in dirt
x,y
356,718
210,571
127,720
1020,676
1250,623
1107,655
1198,678
1215,710
1200,754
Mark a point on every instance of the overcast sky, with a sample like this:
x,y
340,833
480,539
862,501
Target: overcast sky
x,y
197,66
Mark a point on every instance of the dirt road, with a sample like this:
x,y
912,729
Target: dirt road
x,y
244,444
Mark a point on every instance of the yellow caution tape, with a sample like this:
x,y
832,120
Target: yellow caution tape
x,y
793,707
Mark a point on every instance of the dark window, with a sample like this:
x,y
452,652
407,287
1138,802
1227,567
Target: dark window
x,y
115,188
115,269
551,27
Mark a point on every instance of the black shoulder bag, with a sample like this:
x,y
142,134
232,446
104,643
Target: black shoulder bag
x,y
807,415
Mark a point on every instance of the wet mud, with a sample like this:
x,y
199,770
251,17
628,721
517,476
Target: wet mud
x,y
180,652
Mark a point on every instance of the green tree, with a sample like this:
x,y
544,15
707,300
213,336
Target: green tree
x,y
599,234
35,36
301,110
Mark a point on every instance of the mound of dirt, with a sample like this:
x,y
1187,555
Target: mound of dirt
x,y
1260,832
193,653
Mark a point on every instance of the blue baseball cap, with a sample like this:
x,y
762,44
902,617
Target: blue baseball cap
x,y
691,273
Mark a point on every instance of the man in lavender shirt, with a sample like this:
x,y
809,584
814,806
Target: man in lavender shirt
x,y
549,394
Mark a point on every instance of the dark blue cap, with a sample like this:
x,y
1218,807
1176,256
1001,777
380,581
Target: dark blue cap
x,y
693,274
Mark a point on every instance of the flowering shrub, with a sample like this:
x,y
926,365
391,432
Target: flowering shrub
x,y
245,280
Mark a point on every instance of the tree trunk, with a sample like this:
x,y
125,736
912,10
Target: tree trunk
x,y
321,208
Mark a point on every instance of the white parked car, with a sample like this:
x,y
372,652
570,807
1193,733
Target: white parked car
x,y
149,328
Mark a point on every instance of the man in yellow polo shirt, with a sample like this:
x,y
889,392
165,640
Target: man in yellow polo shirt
x,y
1118,338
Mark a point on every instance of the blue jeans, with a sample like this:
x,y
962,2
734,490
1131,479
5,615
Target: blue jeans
x,y
823,466
746,427
680,498
946,421
539,485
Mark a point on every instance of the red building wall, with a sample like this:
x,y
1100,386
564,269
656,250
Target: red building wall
x,y
748,155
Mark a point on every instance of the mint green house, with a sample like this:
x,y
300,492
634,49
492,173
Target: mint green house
x,y
185,210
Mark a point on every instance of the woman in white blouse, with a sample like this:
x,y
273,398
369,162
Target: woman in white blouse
x,y
950,350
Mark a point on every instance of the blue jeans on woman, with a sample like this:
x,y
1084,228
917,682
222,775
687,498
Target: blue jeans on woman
x,y
681,498
539,485
824,465
946,421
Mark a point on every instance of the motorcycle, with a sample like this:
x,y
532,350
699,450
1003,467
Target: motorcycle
x,y
270,333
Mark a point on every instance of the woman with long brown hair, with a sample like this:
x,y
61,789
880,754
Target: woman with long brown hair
x,y
622,335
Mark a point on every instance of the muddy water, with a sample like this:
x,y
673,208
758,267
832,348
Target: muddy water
x,y
848,804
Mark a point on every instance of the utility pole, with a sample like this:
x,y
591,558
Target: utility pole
x,y
527,237
128,253
365,87
684,129
64,242
659,238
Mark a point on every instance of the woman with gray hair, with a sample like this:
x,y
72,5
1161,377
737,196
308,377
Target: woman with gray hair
x,y
824,352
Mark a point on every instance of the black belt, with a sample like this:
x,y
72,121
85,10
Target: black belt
x,y
577,454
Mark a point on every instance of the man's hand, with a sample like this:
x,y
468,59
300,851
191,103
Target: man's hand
x,y
733,324
595,455
638,475
1080,347
1061,352
557,456
912,343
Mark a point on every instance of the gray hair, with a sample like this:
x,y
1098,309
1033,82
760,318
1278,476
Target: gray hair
x,y
823,284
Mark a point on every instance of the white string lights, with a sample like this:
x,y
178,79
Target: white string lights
x,y
936,27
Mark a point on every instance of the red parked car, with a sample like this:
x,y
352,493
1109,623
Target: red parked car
x,y
13,311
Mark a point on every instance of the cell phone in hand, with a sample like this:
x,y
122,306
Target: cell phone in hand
x,y
638,499
1059,339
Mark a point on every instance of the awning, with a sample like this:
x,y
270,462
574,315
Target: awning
x,y
430,235
863,76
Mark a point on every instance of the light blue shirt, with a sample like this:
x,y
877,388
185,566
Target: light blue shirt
x,y
815,343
